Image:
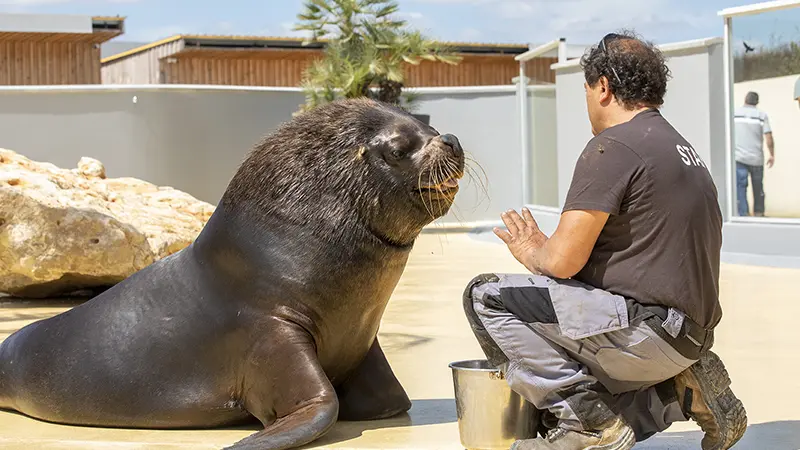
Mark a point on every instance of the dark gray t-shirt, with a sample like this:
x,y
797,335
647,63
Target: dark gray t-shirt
x,y
661,244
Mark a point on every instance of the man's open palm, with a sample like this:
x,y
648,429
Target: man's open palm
x,y
523,235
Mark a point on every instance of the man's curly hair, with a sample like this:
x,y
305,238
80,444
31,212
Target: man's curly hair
x,y
636,70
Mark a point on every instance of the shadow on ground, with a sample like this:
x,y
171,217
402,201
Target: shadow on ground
x,y
423,412
13,311
29,304
782,435
391,342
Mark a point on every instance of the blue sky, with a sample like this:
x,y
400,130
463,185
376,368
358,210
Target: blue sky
x,y
498,21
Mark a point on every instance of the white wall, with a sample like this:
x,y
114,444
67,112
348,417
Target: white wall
x,y
573,129
190,139
781,182
194,137
543,160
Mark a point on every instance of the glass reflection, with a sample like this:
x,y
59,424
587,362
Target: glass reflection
x,y
766,110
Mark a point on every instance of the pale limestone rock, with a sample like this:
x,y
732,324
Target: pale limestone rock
x,y
65,230
90,167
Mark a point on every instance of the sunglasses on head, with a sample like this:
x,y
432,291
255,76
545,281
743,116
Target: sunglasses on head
x,y
602,46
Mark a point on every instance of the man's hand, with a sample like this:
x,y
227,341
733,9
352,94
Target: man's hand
x,y
770,161
523,237
564,253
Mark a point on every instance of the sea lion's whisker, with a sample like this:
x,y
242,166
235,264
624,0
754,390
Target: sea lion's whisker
x,y
480,181
457,214
441,174
472,163
422,195
430,176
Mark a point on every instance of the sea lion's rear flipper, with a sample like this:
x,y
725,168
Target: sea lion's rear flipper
x,y
372,392
287,390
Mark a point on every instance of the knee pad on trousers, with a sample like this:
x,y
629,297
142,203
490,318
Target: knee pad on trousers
x,y
494,355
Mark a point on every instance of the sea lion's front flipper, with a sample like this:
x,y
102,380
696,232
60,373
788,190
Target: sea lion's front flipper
x,y
288,391
372,392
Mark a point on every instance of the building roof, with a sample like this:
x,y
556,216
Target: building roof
x,y
115,46
241,42
59,28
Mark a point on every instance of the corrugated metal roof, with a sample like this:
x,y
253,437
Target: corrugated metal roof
x,y
236,41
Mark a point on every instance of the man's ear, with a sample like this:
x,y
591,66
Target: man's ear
x,y
605,91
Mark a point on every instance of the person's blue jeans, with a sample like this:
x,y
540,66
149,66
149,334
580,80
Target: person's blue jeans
x,y
756,173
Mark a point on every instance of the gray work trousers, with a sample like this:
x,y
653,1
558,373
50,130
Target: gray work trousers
x,y
582,353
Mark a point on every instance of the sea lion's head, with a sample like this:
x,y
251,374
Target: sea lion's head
x,y
353,163
421,166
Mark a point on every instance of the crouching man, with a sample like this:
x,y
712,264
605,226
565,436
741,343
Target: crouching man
x,y
609,333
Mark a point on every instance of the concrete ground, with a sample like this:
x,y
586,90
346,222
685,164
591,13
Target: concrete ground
x,y
424,329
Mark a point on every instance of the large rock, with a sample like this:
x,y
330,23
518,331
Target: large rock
x,y
67,230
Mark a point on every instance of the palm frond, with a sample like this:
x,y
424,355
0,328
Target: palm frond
x,y
368,48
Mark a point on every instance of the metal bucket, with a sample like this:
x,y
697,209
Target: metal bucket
x,y
490,414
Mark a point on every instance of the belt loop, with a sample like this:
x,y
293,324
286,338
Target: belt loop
x,y
708,341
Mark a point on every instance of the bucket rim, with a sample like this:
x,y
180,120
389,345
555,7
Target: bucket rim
x,y
455,366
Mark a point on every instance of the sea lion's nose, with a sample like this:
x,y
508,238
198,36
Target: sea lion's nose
x,y
451,141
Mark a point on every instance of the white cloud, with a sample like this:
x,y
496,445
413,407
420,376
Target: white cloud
x,y
411,15
470,35
474,2
583,21
24,3
287,30
516,8
417,20
224,27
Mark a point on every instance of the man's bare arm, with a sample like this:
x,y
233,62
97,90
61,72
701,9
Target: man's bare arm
x,y
564,253
771,147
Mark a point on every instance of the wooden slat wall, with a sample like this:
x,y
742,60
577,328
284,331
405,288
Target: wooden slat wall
x,y
288,71
39,63
141,68
539,71
477,71
174,63
284,72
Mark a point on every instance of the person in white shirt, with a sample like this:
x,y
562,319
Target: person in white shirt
x,y
752,126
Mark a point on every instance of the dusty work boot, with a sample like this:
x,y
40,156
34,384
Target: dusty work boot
x,y
617,436
706,397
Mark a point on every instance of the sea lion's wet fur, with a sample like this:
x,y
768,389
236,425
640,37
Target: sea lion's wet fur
x,y
273,311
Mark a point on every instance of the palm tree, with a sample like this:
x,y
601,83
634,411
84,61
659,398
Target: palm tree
x,y
366,52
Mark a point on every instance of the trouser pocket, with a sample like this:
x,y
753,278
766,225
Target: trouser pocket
x,y
583,311
635,355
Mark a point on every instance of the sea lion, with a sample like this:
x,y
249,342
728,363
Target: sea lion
x,y
273,311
